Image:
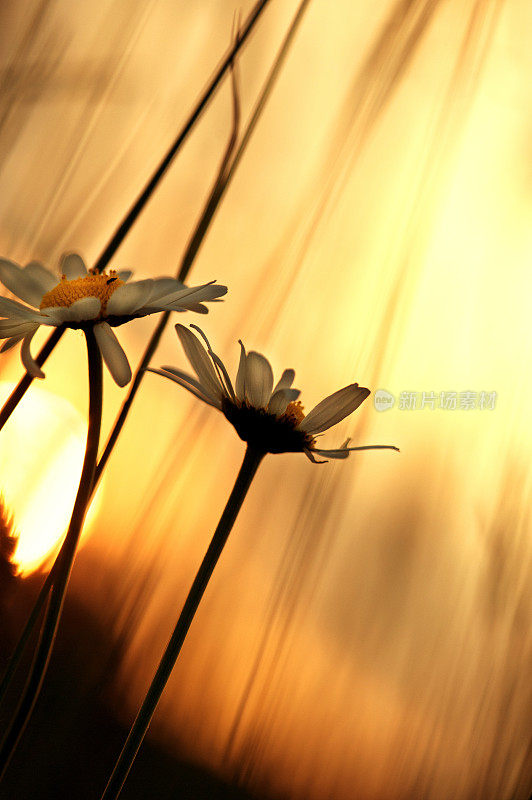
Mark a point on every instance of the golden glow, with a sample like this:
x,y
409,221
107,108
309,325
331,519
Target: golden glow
x,y
41,456
97,285
367,632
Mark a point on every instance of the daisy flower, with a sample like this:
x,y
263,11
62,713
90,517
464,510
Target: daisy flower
x,y
269,418
80,298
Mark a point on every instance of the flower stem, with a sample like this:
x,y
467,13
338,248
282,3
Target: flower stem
x,y
134,212
64,560
247,472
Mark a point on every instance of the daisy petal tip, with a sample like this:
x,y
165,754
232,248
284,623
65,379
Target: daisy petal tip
x,y
113,355
310,455
72,266
200,331
122,379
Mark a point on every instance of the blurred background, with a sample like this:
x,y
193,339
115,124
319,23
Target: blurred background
x,y
367,632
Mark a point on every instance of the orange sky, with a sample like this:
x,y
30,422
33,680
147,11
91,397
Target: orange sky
x,y
378,230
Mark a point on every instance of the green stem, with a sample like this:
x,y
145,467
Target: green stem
x,y
247,472
64,559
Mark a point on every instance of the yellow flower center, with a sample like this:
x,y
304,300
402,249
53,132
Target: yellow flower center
x,y
95,284
294,413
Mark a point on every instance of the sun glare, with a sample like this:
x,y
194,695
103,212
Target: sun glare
x,y
41,456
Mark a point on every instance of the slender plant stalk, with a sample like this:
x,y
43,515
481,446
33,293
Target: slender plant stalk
x,y
131,217
226,172
247,472
191,251
14,661
64,560
224,175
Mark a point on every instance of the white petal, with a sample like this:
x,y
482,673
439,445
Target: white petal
x,y
200,362
192,295
343,451
72,266
84,309
184,376
53,315
113,355
126,299
9,343
280,399
209,292
285,381
333,409
42,277
16,327
19,282
223,375
11,308
187,384
199,308
25,353
165,286
310,457
259,379
124,274
240,384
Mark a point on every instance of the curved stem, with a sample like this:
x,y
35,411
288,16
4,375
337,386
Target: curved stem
x,y
132,215
246,474
64,559
142,199
226,172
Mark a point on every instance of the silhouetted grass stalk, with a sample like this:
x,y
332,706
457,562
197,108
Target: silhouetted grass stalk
x,y
250,464
14,661
187,261
131,217
225,173
64,561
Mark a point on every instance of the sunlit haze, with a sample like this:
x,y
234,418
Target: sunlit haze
x,y
369,622
41,455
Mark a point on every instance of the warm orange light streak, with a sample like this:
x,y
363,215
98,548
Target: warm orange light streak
x,y
367,631
41,455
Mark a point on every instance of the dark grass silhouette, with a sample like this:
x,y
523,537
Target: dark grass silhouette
x,y
74,736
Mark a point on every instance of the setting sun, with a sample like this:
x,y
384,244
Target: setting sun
x,y
41,454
